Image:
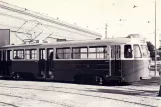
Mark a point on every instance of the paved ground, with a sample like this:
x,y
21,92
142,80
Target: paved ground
x,y
47,94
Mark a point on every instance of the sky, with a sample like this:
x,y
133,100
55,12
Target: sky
x,y
94,14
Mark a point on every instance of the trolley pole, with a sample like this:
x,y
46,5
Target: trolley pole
x,y
106,31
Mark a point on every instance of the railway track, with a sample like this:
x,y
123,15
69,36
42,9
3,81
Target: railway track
x,y
88,91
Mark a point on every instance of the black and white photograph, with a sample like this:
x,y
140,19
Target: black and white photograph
x,y
80,53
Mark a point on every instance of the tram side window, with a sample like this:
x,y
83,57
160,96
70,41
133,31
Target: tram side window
x,y
76,53
50,53
128,51
18,54
27,54
42,54
83,53
0,55
79,53
63,53
98,52
31,54
9,52
115,51
137,52
4,55
144,50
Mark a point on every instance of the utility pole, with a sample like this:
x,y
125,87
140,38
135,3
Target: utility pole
x,y
156,54
155,42
106,31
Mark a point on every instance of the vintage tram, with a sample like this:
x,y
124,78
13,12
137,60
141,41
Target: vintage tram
x,y
103,61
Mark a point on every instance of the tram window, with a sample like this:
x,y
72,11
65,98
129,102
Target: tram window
x,y
42,54
0,55
137,52
118,51
144,50
83,53
128,51
115,51
112,51
63,53
76,53
79,53
18,54
50,54
27,54
98,52
31,54
9,52
92,53
4,55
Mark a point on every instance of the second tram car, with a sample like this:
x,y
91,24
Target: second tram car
x,y
119,59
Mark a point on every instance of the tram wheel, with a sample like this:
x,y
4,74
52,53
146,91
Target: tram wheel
x,y
16,76
99,80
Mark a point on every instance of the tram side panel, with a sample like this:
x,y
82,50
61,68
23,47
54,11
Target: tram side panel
x,y
128,73
116,69
64,70
67,70
26,69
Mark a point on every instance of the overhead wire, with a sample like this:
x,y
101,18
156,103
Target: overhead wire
x,y
47,26
11,16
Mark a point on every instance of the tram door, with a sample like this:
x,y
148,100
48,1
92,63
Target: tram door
x,y
115,60
46,63
42,63
8,62
50,63
5,63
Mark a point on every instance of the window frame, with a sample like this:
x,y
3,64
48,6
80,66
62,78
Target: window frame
x,y
79,53
16,53
33,53
132,54
97,52
63,53
139,51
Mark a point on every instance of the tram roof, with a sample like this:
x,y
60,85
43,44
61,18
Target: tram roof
x,y
103,41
